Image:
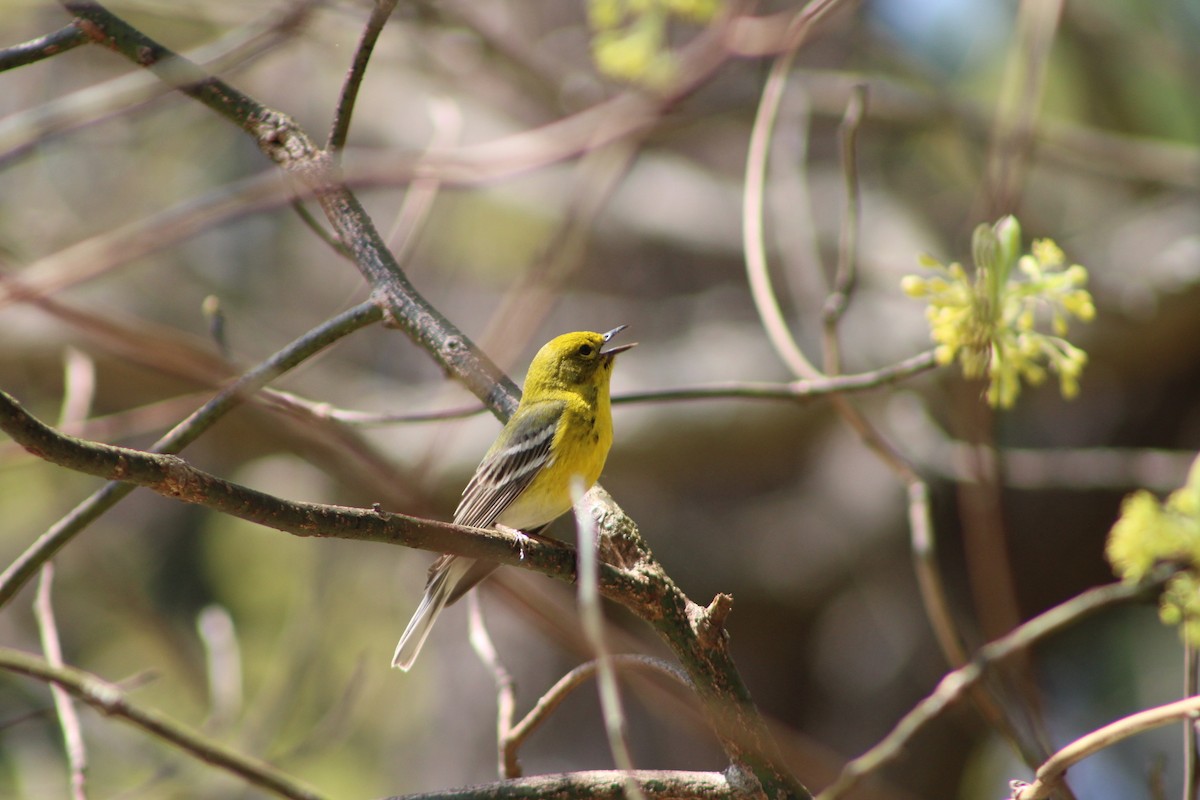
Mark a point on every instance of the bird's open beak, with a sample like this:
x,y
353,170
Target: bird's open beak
x,y
612,351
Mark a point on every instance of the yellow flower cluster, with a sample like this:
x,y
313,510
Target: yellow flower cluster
x,y
988,320
629,36
1149,533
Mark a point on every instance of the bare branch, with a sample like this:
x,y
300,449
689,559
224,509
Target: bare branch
x,y
63,39
358,70
846,275
1050,775
601,785
557,693
223,663
68,719
506,695
592,618
746,390
802,389
170,476
753,242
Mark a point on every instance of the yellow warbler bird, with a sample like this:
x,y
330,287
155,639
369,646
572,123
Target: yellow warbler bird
x,y
561,431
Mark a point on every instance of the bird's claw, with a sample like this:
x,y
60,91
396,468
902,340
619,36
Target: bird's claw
x,y
520,536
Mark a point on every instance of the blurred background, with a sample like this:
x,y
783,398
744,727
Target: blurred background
x,y
280,646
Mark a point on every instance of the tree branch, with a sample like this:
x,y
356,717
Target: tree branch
x,y
68,718
556,694
601,785
744,390
612,710
846,275
507,763
63,39
340,128
803,389
171,476
1050,774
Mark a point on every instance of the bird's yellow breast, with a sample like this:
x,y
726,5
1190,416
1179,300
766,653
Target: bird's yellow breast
x,y
580,448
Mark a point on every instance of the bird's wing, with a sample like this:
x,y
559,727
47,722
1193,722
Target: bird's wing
x,y
511,465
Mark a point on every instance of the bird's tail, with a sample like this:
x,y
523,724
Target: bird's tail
x,y
442,582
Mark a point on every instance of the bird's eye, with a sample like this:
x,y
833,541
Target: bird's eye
x,y
585,349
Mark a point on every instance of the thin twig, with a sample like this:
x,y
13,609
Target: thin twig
x,y
556,694
79,380
795,390
1050,774
62,40
110,700
183,434
602,785
846,276
745,390
352,417
340,127
68,719
592,620
753,242
223,659
923,546
508,765
929,581
753,239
